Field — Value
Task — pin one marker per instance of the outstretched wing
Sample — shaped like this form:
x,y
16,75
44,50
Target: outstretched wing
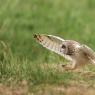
x,y
89,53
52,43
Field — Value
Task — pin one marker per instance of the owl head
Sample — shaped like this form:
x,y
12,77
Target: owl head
x,y
68,47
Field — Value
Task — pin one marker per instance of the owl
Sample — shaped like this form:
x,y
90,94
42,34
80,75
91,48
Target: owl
x,y
76,53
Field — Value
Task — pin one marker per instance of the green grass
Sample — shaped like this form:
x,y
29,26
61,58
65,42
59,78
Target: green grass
x,y
20,19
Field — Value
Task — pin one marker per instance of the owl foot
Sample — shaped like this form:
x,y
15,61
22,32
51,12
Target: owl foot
x,y
68,67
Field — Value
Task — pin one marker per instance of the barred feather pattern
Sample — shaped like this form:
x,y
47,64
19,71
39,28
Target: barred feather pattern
x,y
73,50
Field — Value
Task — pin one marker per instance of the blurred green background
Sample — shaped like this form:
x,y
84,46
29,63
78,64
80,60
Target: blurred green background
x,y
69,19
20,19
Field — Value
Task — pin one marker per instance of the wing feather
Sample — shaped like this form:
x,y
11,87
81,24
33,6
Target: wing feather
x,y
89,53
52,43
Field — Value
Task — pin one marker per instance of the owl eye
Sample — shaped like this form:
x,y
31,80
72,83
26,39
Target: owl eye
x,y
63,46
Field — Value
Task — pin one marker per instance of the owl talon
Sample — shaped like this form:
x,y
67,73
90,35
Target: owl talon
x,y
63,65
68,67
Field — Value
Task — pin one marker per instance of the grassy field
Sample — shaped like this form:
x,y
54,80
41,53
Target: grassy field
x,y
26,68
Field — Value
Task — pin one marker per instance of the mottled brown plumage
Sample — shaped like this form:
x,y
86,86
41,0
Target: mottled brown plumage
x,y
78,54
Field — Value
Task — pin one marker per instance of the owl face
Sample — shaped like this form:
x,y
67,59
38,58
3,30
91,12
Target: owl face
x,y
69,48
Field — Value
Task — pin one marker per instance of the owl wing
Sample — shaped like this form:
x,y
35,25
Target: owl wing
x,y
52,43
89,53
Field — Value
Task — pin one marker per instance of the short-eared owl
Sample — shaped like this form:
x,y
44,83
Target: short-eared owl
x,y
78,54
